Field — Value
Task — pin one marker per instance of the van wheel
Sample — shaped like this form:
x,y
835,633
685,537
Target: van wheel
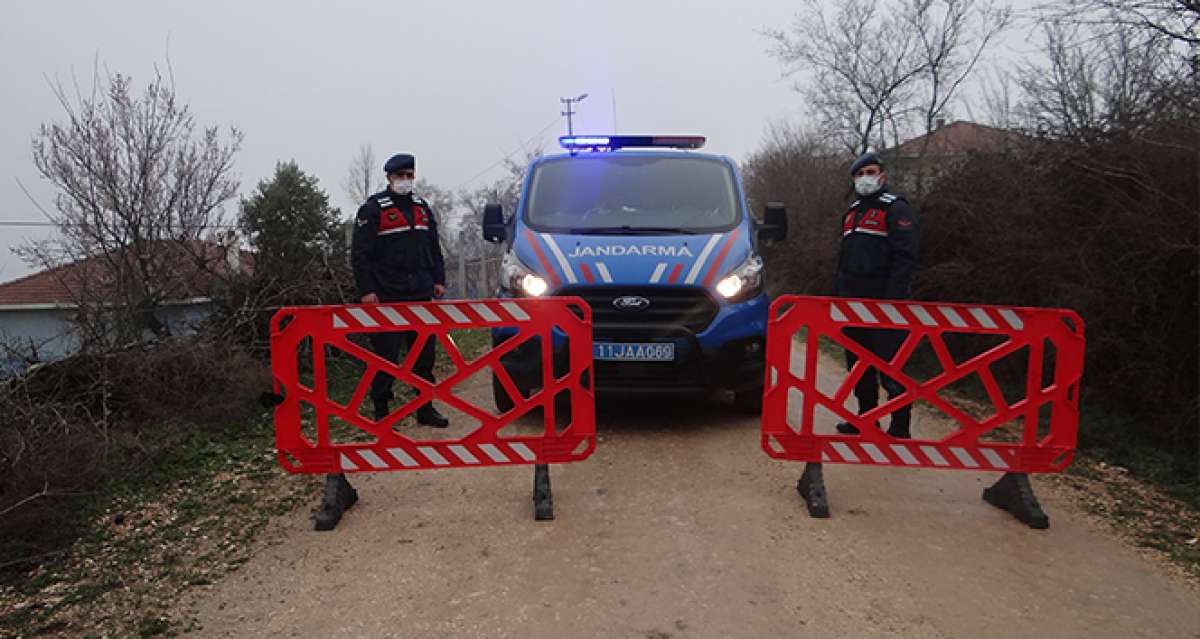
x,y
749,401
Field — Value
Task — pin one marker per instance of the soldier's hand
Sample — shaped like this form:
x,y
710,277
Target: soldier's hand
x,y
439,290
370,298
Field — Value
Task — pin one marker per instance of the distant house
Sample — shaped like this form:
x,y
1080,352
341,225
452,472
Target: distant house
x,y
944,147
36,310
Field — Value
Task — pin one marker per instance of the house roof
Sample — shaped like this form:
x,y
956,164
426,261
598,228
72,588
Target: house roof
x,y
59,286
958,138
44,287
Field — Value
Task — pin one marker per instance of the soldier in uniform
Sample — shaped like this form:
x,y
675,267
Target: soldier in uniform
x,y
396,257
877,257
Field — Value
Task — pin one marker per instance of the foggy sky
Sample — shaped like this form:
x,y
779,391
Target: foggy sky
x,y
460,85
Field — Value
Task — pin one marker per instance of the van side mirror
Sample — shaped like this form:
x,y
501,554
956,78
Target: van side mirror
x,y
773,227
494,229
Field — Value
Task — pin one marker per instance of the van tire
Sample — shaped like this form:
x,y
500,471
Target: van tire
x,y
749,401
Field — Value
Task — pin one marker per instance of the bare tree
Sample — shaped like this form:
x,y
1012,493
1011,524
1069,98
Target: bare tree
x,y
362,178
1176,20
140,196
860,67
952,35
999,97
442,201
1097,81
506,192
875,67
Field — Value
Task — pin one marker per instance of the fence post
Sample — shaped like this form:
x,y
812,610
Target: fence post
x,y
462,277
483,272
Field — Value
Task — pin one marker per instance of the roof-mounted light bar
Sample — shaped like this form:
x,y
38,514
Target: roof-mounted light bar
x,y
614,142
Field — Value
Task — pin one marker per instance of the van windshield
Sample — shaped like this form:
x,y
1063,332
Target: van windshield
x,y
614,194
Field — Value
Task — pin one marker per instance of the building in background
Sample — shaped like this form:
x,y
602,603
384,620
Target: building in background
x,y
948,145
36,311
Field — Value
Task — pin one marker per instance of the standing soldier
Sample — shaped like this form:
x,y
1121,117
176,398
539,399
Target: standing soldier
x,y
396,257
876,260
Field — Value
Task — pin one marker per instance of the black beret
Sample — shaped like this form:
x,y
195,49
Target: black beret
x,y
864,160
400,162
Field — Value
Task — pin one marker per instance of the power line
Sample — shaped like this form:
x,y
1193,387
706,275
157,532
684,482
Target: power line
x,y
41,223
514,152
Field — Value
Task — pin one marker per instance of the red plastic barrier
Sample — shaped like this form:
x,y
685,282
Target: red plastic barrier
x,y
330,327
792,379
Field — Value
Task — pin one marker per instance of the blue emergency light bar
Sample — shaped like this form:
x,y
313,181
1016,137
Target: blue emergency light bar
x,y
614,142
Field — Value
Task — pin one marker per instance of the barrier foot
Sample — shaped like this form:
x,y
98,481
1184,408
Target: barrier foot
x,y
339,496
543,499
1014,493
812,488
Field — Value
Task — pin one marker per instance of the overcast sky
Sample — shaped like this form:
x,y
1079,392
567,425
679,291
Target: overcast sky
x,y
460,85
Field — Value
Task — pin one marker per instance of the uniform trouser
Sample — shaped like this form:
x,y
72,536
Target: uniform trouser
x,y
884,343
388,346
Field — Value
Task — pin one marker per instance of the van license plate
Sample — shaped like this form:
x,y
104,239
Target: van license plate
x,y
633,352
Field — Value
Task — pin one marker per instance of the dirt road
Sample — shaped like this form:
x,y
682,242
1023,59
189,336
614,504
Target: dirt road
x,y
679,526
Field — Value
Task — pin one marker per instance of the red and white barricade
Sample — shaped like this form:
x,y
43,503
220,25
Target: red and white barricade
x,y
1048,343
303,333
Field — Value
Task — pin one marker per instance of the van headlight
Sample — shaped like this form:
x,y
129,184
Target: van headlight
x,y
519,280
744,281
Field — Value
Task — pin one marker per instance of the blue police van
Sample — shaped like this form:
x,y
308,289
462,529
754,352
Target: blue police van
x,y
658,240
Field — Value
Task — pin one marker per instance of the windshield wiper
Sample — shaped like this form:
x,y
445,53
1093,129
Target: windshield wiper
x,y
635,230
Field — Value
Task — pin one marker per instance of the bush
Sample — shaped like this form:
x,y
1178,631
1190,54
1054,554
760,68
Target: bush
x,y
1107,228
75,424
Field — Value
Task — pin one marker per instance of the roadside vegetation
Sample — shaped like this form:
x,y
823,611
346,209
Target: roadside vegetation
x,y
1082,197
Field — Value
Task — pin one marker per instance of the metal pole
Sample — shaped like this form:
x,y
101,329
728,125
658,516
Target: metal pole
x,y
614,106
569,112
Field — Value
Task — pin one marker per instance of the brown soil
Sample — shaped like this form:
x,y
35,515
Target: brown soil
x,y
680,526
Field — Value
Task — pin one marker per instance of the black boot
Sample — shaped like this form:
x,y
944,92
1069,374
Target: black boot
x,y
899,427
846,428
339,496
381,409
427,415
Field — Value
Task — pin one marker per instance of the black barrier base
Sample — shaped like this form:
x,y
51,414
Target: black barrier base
x,y
543,499
339,496
812,488
1014,493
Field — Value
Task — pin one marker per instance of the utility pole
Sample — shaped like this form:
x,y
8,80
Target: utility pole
x,y
614,106
569,102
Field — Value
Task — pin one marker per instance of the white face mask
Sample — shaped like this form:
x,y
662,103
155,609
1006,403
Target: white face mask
x,y
402,186
867,184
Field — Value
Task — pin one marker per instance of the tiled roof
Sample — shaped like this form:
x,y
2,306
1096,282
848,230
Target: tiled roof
x,y
43,287
54,286
958,138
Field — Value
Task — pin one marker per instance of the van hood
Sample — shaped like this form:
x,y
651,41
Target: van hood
x,y
695,260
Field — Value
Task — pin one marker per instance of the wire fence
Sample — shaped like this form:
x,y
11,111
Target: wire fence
x,y
472,278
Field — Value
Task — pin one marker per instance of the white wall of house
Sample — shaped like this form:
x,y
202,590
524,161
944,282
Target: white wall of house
x,y
45,330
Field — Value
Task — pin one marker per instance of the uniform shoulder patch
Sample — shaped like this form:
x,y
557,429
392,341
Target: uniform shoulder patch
x,y
887,198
